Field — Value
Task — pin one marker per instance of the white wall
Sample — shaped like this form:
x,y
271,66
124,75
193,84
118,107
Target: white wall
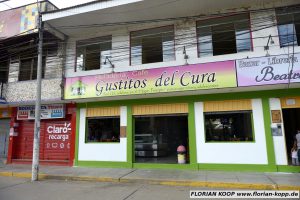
x,y
123,116
100,151
279,141
232,153
121,39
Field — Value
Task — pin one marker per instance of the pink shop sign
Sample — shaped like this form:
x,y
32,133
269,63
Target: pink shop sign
x,y
280,69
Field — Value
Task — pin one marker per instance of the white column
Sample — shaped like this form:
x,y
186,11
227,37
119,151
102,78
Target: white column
x,y
279,141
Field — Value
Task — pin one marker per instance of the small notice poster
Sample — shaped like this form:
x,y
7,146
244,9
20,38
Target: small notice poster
x,y
47,112
276,116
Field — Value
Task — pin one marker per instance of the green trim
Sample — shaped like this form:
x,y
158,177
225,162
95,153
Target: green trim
x,y
288,168
268,133
252,126
133,139
164,166
129,135
206,97
86,129
77,136
264,95
192,134
237,167
104,164
230,142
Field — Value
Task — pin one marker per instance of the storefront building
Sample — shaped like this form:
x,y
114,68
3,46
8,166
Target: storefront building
x,y
19,36
217,89
232,131
56,135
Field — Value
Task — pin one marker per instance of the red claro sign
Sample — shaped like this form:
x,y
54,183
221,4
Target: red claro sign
x,y
58,135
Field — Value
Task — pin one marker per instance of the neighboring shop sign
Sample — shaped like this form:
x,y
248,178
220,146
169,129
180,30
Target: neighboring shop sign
x,y
47,112
280,69
159,80
58,135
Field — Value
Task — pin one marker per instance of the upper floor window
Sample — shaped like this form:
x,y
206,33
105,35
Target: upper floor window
x,y
3,71
91,53
28,68
224,35
288,20
152,45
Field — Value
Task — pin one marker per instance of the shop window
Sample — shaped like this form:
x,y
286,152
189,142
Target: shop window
x,y
103,129
152,45
228,126
91,54
157,138
288,20
224,35
28,68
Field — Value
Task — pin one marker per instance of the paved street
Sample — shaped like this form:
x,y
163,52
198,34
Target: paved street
x,y
12,188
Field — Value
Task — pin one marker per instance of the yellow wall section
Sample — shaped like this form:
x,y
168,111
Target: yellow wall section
x,y
103,111
160,109
285,100
229,105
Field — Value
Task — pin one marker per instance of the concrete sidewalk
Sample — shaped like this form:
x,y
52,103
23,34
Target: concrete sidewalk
x,y
215,179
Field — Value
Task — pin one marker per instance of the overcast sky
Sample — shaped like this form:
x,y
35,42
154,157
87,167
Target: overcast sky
x,y
59,3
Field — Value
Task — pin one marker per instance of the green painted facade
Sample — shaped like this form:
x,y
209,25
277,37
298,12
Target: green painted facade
x,y
193,165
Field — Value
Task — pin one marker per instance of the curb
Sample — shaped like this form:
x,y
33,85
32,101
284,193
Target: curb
x,y
227,185
43,176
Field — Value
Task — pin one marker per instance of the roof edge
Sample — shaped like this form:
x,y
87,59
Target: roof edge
x,y
47,1
76,6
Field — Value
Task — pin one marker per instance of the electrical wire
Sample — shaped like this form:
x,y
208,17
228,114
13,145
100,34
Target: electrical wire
x,y
177,38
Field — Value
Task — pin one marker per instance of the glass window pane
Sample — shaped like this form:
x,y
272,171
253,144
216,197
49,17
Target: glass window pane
x,y
79,59
224,41
168,50
229,34
34,68
103,129
89,52
92,57
243,41
168,46
152,45
3,71
156,138
287,35
229,126
25,70
205,42
297,26
105,57
284,18
152,49
136,55
288,26
205,46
